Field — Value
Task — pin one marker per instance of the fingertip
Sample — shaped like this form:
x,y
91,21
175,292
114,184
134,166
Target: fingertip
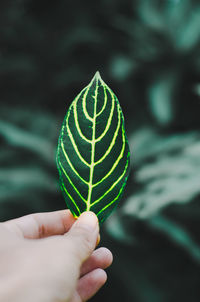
x,y
100,258
67,219
101,276
68,213
87,220
107,255
89,214
83,235
90,284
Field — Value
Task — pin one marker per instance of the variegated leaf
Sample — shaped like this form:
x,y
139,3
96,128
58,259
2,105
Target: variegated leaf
x,y
93,152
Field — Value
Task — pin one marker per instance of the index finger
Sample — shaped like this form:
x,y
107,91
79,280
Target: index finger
x,y
41,225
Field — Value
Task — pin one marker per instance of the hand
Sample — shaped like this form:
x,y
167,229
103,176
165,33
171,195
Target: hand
x,y
50,257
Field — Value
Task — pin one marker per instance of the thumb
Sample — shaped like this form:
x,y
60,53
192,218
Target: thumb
x,y
83,236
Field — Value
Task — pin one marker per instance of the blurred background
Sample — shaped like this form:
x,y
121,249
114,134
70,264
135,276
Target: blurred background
x,y
148,52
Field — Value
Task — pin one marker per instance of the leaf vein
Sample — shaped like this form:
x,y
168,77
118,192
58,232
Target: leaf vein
x,y
105,102
74,145
84,104
70,164
70,181
92,150
68,194
113,185
116,162
113,140
109,119
77,123
116,198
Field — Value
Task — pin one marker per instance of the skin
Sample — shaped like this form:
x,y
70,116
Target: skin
x,y
51,257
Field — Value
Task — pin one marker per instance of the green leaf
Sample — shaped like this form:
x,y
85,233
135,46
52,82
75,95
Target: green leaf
x,y
93,152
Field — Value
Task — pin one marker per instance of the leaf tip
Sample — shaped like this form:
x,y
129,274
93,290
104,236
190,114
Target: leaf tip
x,y
97,76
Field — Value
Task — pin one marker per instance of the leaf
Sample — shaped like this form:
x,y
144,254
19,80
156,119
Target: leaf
x,y
93,152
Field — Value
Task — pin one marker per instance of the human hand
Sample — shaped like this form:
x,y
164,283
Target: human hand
x,y
50,257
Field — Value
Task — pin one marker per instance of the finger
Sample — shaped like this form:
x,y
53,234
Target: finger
x,y
89,285
41,225
82,237
100,258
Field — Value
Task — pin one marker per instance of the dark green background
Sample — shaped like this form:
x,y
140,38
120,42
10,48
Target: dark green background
x,y
148,52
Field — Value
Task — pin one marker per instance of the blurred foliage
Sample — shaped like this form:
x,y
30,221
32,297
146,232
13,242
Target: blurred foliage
x,y
148,52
